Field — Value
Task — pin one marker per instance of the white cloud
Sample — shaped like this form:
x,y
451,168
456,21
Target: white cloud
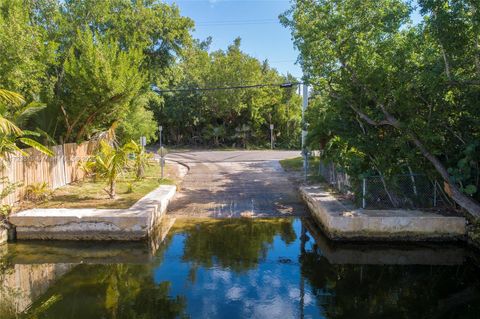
x,y
235,293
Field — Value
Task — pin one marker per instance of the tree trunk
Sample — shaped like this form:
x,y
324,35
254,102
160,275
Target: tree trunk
x,y
112,191
467,203
140,171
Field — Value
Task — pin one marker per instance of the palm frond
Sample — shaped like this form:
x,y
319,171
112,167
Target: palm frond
x,y
108,135
24,112
8,127
10,97
48,138
36,145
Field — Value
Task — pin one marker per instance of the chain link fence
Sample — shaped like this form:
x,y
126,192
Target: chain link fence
x,y
409,191
336,177
399,191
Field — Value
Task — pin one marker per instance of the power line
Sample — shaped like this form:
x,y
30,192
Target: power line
x,y
236,22
237,87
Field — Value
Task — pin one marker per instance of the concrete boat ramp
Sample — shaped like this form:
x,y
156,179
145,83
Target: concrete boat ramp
x,y
237,184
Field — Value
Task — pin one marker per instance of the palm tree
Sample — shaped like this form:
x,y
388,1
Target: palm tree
x,y
110,162
142,158
13,112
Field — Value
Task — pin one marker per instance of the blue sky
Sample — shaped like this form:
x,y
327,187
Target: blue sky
x,y
255,21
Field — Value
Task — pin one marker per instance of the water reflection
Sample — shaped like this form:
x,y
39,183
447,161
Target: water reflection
x,y
238,245
275,268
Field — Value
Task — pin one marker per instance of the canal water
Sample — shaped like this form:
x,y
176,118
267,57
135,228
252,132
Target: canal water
x,y
238,268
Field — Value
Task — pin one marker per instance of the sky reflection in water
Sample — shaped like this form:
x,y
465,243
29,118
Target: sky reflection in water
x,y
278,268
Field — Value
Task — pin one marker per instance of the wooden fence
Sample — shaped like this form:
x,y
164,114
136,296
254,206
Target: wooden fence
x,y
58,170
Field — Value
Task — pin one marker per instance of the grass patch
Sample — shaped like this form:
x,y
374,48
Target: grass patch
x,y
88,193
296,165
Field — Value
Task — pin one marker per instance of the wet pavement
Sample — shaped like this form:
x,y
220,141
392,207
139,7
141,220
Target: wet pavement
x,y
225,184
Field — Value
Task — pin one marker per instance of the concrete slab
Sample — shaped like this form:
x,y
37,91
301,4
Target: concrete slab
x,y
341,222
229,188
386,253
134,223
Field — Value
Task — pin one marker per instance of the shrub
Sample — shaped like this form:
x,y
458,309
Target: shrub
x,y
38,192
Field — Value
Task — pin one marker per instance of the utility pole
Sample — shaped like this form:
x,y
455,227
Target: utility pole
x,y
304,130
304,108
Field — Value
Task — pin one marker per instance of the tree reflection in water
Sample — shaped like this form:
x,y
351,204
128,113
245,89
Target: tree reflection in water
x,y
110,291
235,244
258,268
391,291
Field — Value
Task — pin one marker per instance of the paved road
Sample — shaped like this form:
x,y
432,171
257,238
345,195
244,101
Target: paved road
x,y
234,184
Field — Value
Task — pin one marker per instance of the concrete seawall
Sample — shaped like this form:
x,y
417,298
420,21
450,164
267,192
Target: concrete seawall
x,y
340,222
135,223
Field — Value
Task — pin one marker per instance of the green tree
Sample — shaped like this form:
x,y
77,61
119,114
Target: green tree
x,y
213,116
100,82
109,163
25,52
75,56
404,90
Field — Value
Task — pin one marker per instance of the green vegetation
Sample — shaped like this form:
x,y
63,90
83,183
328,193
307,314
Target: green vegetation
x,y
392,97
236,244
94,63
238,118
89,193
296,165
38,192
14,111
91,62
109,163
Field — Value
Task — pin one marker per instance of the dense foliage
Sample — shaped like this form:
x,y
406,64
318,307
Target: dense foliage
x,y
94,63
230,117
393,96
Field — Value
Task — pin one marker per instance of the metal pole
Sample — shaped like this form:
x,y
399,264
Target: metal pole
x,y
162,161
304,108
364,192
160,129
271,136
304,129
